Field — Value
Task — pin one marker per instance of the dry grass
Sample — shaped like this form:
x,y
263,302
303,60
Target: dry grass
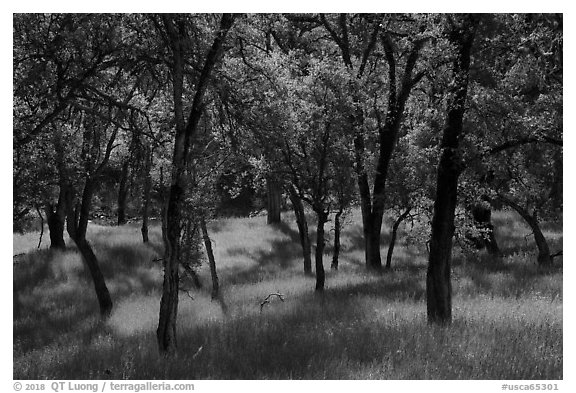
x,y
507,314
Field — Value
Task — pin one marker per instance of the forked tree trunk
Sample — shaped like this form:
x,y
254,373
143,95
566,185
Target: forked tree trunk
x,y
394,234
123,194
274,193
211,259
320,243
373,206
337,230
438,285
146,194
302,229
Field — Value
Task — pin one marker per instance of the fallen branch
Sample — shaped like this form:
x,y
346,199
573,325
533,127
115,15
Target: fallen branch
x,y
267,299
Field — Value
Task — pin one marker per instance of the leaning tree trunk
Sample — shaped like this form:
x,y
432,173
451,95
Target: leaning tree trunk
x,y
123,194
395,227
211,259
146,194
320,242
544,258
337,230
77,223
185,133
438,285
274,192
302,229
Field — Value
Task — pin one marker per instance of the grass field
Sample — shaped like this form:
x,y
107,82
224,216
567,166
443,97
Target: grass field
x,y
507,314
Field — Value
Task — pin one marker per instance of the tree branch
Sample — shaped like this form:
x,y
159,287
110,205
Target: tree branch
x,y
267,299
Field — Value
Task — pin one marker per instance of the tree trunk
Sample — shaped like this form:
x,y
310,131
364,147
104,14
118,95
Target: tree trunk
x,y
102,293
56,219
302,229
337,230
373,208
56,227
483,221
393,236
123,194
166,332
146,194
438,285
274,192
185,133
320,242
77,223
211,259
544,258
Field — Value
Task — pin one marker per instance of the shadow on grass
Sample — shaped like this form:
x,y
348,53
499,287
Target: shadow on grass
x,y
283,341
54,294
275,259
349,332
350,327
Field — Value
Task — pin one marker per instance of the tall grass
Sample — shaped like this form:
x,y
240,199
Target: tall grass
x,y
507,314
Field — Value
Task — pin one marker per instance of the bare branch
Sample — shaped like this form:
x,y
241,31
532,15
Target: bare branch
x,y
267,299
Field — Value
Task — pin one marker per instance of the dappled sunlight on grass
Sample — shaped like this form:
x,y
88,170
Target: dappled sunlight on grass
x,y
135,315
507,312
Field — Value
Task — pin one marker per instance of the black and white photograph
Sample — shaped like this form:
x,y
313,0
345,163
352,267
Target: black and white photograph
x,y
287,196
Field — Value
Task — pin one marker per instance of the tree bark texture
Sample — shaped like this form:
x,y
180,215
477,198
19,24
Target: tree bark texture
x,y
302,224
274,193
185,133
438,285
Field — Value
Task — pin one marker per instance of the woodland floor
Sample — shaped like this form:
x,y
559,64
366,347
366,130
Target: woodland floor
x,y
507,314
